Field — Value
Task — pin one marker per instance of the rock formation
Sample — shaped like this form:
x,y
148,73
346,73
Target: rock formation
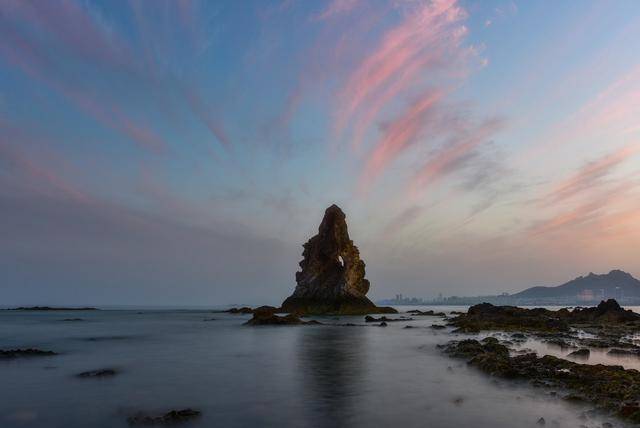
x,y
486,316
332,279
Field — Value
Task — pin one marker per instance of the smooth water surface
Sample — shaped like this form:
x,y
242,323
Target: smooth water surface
x,y
286,376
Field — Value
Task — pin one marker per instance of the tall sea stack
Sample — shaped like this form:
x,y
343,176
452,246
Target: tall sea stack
x,y
332,279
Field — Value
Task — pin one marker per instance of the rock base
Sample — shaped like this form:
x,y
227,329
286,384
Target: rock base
x,y
343,306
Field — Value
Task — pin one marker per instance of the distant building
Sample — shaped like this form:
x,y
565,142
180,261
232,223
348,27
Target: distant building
x,y
586,295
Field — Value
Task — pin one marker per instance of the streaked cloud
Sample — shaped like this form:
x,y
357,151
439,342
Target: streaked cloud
x,y
336,7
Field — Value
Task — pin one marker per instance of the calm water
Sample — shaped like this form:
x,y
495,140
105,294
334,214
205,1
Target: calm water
x,y
306,376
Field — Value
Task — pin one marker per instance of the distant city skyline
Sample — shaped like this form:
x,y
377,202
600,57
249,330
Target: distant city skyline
x,y
180,152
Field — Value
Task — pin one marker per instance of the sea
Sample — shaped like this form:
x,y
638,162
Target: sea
x,y
269,376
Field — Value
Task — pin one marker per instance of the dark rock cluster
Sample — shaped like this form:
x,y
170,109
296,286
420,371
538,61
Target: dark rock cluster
x,y
266,318
332,276
24,353
100,373
170,418
486,316
50,308
428,313
369,318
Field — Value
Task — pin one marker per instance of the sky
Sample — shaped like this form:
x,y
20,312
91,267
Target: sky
x,y
180,152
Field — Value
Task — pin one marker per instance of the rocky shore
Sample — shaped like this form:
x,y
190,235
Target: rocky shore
x,y
608,388
612,389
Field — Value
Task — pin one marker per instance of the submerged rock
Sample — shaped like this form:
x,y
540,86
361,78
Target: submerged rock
x,y
580,353
169,418
332,276
429,313
268,318
624,352
369,318
24,353
560,342
101,373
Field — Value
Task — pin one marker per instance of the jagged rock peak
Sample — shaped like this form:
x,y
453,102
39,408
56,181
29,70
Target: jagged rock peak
x,y
331,264
332,275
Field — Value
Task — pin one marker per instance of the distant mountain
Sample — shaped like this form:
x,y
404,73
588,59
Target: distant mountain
x,y
615,284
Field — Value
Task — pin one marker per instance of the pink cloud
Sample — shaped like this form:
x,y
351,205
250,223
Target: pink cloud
x,y
204,114
463,143
429,38
30,170
73,26
589,175
36,62
336,7
398,135
611,113
424,53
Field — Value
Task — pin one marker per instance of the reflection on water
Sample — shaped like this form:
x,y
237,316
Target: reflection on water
x,y
332,362
292,376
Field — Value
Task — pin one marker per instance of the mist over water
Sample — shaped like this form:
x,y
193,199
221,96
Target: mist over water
x,y
312,376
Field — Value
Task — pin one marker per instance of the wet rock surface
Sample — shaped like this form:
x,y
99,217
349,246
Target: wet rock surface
x,y
170,418
24,353
608,388
332,276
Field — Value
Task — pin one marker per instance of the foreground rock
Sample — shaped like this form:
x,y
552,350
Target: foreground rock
x,y
171,418
93,374
609,388
269,318
332,279
486,316
25,353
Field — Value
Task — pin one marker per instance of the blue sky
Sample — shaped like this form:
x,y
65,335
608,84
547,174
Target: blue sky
x,y
180,152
